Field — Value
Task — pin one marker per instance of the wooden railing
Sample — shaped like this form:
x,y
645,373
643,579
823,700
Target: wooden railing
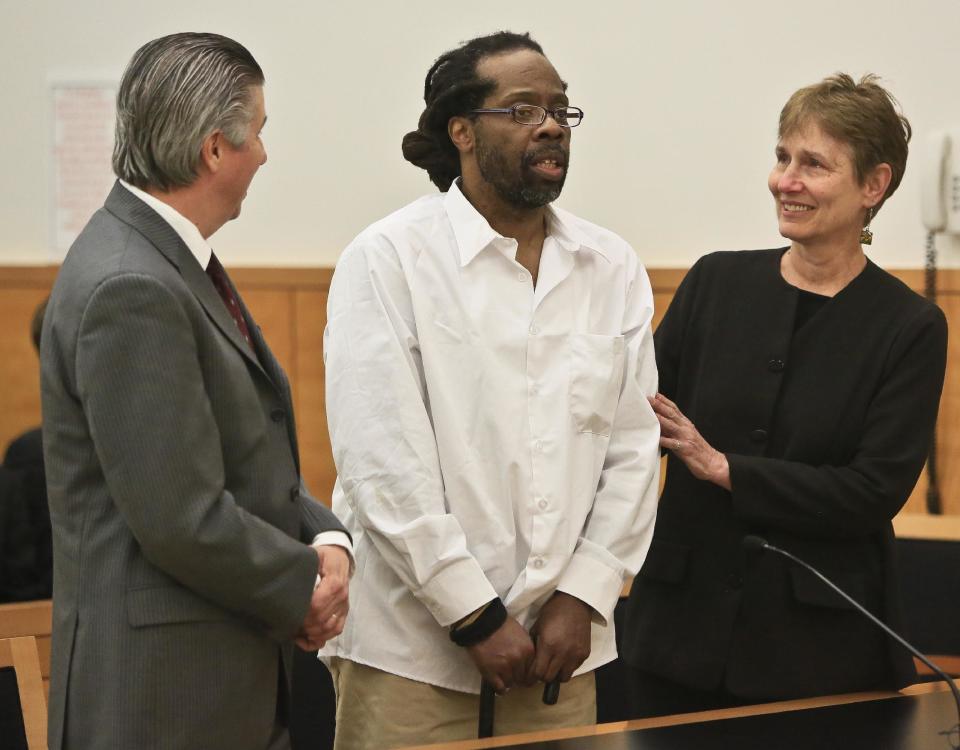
x,y
290,306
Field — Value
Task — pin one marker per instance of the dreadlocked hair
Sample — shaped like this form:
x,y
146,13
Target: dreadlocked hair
x,y
453,88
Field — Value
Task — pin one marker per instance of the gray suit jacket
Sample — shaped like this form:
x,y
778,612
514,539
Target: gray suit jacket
x,y
175,497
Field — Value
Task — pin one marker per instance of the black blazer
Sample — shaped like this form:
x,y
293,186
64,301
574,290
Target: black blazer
x,y
826,431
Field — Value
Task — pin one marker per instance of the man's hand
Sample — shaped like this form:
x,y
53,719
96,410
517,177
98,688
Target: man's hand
x,y
562,635
330,600
504,658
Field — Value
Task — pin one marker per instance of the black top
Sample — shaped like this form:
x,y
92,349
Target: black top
x,y
26,556
808,305
826,431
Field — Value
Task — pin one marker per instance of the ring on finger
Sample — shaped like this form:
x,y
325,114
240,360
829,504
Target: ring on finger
x,y
677,445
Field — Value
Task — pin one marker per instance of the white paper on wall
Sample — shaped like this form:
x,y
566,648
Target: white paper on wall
x,y
82,146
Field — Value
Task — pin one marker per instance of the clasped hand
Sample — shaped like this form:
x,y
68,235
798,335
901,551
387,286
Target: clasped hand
x,y
558,643
330,600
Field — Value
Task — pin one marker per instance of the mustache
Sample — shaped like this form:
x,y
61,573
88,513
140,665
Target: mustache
x,y
555,152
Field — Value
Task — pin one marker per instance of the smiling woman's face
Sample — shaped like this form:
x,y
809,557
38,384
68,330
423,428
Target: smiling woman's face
x,y
815,189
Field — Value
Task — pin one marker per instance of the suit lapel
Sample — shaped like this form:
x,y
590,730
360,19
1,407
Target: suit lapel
x,y
261,356
133,211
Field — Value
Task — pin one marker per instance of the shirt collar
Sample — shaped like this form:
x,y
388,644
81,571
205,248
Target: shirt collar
x,y
474,234
185,229
568,235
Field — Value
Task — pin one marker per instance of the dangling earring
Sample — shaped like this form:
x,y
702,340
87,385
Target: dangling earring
x,y
866,236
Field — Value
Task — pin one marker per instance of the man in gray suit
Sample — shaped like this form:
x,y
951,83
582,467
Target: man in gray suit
x,y
182,530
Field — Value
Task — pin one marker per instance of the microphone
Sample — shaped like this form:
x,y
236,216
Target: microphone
x,y
759,544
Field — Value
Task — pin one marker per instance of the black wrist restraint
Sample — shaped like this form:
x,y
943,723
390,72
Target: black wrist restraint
x,y
483,627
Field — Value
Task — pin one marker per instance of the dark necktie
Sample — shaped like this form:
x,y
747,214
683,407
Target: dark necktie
x,y
219,278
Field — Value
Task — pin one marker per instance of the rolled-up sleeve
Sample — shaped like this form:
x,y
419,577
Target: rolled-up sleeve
x,y
619,528
383,441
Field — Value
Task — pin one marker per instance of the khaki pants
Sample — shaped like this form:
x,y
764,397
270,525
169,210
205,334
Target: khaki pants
x,y
377,710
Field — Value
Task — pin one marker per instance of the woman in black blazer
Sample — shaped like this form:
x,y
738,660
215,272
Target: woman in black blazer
x,y
799,391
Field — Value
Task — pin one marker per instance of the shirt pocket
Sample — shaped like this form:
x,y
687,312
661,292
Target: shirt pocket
x,y
596,373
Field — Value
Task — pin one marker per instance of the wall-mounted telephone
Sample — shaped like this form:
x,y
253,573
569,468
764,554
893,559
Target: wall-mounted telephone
x,y
940,182
940,208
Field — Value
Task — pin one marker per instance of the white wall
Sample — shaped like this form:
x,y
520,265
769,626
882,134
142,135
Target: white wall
x,y
681,99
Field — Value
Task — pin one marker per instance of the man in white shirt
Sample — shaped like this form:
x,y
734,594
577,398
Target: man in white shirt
x,y
183,569
489,360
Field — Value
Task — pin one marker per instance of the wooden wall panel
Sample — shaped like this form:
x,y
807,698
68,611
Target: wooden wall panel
x,y
20,392
660,302
918,498
290,305
948,422
318,469
273,311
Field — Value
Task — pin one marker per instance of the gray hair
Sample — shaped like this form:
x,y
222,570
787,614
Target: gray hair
x,y
176,91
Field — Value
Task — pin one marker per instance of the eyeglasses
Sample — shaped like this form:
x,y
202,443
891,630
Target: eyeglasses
x,y
532,114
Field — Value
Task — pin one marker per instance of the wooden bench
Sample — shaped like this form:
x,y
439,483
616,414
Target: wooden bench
x,y
21,654
35,619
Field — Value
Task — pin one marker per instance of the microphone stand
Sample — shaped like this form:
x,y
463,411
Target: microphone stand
x,y
760,544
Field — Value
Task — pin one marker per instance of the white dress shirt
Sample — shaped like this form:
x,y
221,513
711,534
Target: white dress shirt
x,y
187,231
491,438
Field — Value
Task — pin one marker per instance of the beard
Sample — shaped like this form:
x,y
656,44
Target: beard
x,y
520,188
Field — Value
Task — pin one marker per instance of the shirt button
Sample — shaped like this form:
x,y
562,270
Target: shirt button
x,y
277,414
538,562
538,445
775,365
521,275
533,390
534,330
542,505
758,436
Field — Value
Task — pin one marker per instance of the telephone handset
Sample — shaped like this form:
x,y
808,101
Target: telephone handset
x,y
940,182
